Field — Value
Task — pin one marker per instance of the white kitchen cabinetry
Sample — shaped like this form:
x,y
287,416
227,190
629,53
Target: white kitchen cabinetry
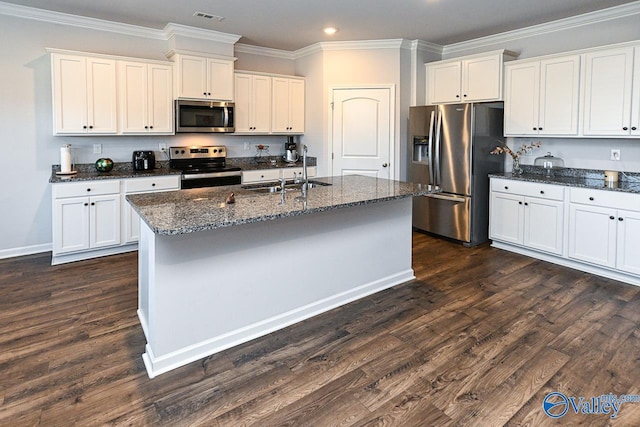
x,y
85,216
527,214
542,96
609,81
468,79
130,219
252,103
288,110
84,95
266,175
145,97
604,229
203,77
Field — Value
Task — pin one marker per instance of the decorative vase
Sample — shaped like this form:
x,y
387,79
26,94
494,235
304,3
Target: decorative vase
x,y
104,165
516,170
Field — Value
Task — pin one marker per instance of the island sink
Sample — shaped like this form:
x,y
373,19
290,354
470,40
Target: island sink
x,y
275,188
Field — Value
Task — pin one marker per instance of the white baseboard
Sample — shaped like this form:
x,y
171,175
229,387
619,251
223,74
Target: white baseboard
x,y
25,250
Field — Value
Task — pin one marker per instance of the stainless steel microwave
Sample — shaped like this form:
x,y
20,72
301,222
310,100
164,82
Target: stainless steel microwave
x,y
204,116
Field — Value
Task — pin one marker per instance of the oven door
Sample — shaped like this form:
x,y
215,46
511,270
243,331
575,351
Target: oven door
x,y
204,116
213,179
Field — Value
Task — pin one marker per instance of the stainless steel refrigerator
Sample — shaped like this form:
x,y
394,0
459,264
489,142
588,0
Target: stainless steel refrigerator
x,y
450,149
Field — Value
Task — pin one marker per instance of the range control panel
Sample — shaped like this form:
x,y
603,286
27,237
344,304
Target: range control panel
x,y
210,152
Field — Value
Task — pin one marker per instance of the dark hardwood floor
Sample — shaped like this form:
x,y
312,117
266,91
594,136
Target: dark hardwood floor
x,y
479,339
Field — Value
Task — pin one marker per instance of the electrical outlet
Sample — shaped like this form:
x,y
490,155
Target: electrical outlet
x,y
97,148
615,154
162,147
247,146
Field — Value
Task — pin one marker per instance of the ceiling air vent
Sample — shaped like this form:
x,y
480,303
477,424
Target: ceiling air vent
x,y
208,16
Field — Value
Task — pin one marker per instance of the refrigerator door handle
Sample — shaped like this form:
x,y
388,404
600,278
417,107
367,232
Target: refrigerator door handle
x,y
451,198
438,177
432,176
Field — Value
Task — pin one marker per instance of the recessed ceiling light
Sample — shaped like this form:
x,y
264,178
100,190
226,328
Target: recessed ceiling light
x,y
330,30
208,16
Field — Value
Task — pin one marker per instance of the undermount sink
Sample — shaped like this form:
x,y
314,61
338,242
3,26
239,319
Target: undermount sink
x,y
271,187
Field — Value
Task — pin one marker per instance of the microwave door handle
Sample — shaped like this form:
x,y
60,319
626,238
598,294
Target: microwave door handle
x,y
437,150
430,150
226,117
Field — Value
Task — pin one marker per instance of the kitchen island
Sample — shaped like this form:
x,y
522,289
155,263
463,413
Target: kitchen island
x,y
213,274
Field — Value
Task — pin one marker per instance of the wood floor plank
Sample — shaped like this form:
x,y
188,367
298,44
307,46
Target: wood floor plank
x,y
478,339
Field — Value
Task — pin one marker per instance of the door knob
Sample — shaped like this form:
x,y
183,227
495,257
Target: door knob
x,y
384,165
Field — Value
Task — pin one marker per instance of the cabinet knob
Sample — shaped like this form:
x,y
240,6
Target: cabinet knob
x,y
90,126
150,127
146,127
84,127
541,192
634,128
153,184
506,187
209,93
526,204
591,198
93,203
611,217
88,189
204,93
457,96
86,204
539,128
519,203
384,165
465,95
625,128
620,218
535,128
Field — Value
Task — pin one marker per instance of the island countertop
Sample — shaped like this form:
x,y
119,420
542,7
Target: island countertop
x,y
188,211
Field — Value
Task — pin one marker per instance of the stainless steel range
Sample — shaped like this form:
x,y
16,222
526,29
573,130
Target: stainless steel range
x,y
204,166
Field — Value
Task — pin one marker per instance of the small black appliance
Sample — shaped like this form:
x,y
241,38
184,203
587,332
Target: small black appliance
x,y
144,160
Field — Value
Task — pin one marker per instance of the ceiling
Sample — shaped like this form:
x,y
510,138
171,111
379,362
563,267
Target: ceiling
x,y
293,24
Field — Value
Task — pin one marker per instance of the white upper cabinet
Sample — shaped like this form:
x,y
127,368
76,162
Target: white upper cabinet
x,y
145,97
84,95
542,97
202,77
468,79
253,103
288,111
608,92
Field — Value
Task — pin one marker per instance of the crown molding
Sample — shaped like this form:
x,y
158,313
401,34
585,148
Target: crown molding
x,y
172,30
424,46
349,45
264,51
79,21
616,12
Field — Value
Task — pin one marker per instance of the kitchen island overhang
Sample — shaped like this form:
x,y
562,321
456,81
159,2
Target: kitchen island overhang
x,y
235,272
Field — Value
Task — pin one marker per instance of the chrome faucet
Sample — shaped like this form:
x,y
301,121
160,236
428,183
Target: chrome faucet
x,y
305,177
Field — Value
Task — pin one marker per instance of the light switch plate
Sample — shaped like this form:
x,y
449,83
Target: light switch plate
x,y
97,148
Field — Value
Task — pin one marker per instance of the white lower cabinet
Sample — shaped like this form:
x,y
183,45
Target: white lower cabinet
x,y
519,218
92,218
82,222
600,227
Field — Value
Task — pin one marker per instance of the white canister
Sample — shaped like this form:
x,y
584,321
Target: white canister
x,y
65,158
611,176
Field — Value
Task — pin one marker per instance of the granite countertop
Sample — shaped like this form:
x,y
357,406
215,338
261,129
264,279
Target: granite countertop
x,y
188,211
88,172
583,178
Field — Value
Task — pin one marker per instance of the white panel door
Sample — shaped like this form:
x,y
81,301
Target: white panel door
x,y
592,234
482,78
104,219
522,98
70,94
243,100
261,100
220,79
543,221
362,132
507,218
444,82
296,105
70,224
607,103
160,98
192,77
628,256
559,96
635,100
101,90
132,82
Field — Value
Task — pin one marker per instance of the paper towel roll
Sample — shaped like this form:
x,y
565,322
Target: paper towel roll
x,y
65,158
611,176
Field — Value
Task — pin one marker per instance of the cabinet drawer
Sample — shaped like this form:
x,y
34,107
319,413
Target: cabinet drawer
x,y
290,173
157,183
86,188
531,189
261,175
604,198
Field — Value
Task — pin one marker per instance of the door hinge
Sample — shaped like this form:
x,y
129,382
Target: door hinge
x,y
332,156
332,105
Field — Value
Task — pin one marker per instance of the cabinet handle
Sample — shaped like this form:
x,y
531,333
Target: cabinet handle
x,y
93,203
620,219
150,127
526,204
634,128
84,127
541,192
611,217
625,128
465,95
209,93
506,188
519,203
591,198
90,126
539,128
535,128
204,93
88,189
153,184
146,127
457,96
86,204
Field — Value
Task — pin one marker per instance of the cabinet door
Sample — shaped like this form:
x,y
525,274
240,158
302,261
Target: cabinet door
x,y
507,218
559,96
69,93
444,82
70,224
101,91
192,77
243,103
296,106
104,220
132,83
130,222
543,224
220,79
592,234
607,103
522,98
635,99
261,101
280,105
628,255
482,78
160,98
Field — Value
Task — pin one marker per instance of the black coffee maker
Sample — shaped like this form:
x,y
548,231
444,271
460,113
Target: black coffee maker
x,y
144,160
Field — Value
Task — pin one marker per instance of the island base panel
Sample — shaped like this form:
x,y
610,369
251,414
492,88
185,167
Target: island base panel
x,y
204,292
